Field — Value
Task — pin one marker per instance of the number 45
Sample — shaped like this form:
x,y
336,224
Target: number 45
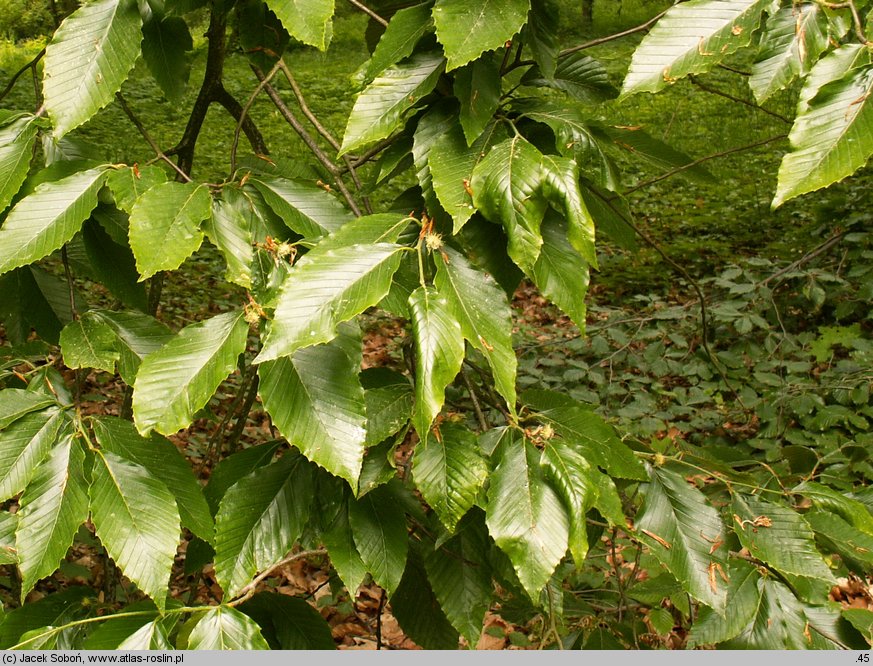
x,y
863,658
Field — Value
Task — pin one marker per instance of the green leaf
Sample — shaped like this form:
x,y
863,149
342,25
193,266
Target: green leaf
x,y
340,544
580,76
778,622
449,470
692,38
792,42
289,623
324,289
259,520
137,336
43,221
525,516
506,189
686,535
16,150
862,620
439,354
467,28
316,401
561,188
89,343
572,475
560,273
452,164
837,535
304,208
225,628
477,87
417,611
15,403
53,610
112,632
831,139
380,109
389,403
150,636
166,43
306,20
743,597
540,35
129,183
852,511
24,445
113,265
52,507
165,225
162,460
262,36
228,229
136,519
88,59
434,123
379,528
406,27
480,306
176,381
779,536
233,468
461,578
831,67
633,142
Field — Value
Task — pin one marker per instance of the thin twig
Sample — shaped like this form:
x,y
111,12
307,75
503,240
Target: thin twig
x,y
707,158
244,114
739,100
149,140
618,35
369,12
809,256
249,590
21,71
379,620
856,18
480,417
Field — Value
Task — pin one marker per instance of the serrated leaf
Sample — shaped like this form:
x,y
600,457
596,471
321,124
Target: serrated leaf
x,y
525,516
52,610
150,636
52,507
572,477
316,401
225,628
89,343
43,221
580,76
228,229
88,59
485,244
560,273
16,150
24,445
176,381
477,87
325,289
793,39
853,545
452,164
129,183
460,576
15,403
417,611
289,623
779,536
851,510
686,535
540,35
233,468
778,622
378,526
480,306
344,556
113,265
136,519
303,207
137,336
439,348
862,620
163,461
561,188
434,123
259,520
692,38
389,404
467,28
743,597
506,189
831,67
112,632
306,20
406,27
165,225
449,470
166,43
380,109
262,36
831,139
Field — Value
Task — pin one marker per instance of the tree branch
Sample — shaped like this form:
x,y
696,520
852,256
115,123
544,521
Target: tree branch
x,y
148,139
249,590
618,35
739,100
244,114
369,12
21,71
